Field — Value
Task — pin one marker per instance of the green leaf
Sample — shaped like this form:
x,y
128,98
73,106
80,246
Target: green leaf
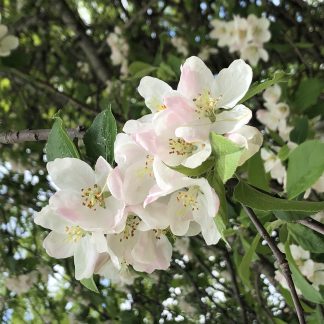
x,y
100,137
306,238
59,144
90,284
244,268
279,76
257,176
140,69
291,216
300,132
284,153
253,198
227,156
308,291
305,166
308,92
196,172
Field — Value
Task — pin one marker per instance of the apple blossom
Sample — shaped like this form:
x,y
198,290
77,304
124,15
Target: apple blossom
x,y
273,164
192,203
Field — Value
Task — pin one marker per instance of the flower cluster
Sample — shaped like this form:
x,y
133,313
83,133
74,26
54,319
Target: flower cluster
x,y
313,271
119,50
7,42
275,118
113,220
243,35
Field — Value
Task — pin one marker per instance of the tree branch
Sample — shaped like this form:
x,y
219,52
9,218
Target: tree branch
x,y
312,224
282,262
88,47
36,135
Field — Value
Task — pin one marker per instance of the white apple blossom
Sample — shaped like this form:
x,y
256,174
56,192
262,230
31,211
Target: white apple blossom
x,y
180,44
273,164
192,203
119,49
244,35
7,42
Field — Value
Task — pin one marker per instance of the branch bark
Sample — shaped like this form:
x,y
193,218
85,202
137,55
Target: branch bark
x,y
36,135
87,45
282,262
312,224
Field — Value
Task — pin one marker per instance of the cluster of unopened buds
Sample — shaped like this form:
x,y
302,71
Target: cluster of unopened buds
x,y
115,220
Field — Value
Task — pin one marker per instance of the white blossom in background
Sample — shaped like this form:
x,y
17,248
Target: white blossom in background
x,y
7,42
206,52
273,165
22,283
313,271
119,50
180,44
243,35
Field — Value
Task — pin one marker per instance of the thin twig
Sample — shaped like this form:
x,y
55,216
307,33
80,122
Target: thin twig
x,y
282,262
312,224
72,20
29,135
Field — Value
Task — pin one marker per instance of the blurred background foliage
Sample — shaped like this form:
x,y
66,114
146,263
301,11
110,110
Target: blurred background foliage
x,y
63,65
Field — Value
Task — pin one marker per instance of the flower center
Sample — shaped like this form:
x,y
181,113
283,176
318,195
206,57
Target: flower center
x,y
159,232
180,147
94,196
131,224
161,107
74,233
206,105
188,198
148,167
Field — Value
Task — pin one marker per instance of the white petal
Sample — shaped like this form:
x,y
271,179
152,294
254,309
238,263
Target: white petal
x,y
85,258
3,30
102,170
51,220
231,120
153,91
10,42
232,83
70,173
58,245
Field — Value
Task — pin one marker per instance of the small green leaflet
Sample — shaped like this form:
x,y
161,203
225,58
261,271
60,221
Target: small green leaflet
x,y
279,76
100,137
59,144
305,166
254,198
227,155
90,284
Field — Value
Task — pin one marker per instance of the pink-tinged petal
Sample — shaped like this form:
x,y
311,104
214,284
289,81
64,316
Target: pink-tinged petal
x,y
148,140
115,184
195,78
232,83
58,245
151,253
135,126
182,106
102,170
85,258
153,91
154,215
49,219
138,180
70,173
231,120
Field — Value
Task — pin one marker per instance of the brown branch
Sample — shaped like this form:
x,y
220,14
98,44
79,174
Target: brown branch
x,y
312,224
72,20
35,135
282,262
